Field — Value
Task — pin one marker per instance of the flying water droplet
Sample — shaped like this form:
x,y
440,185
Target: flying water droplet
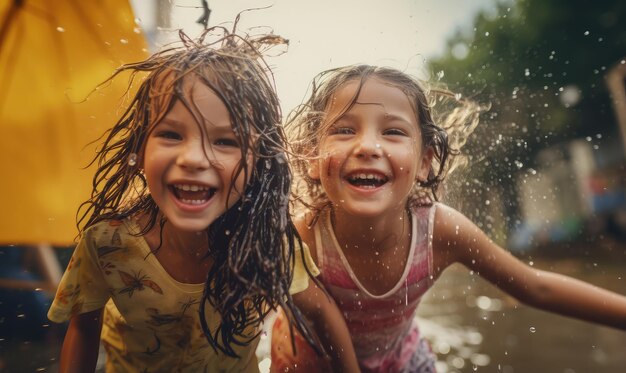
x,y
132,159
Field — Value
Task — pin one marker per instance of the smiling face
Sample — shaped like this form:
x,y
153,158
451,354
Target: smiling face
x,y
189,165
371,155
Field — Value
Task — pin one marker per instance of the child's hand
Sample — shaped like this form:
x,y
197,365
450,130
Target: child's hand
x,y
330,326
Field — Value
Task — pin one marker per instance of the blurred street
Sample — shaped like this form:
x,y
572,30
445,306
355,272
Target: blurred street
x,y
471,325
474,327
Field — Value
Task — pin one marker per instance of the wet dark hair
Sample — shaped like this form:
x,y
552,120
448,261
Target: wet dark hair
x,y
253,243
444,134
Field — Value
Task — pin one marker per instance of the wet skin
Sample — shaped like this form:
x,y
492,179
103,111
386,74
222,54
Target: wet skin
x,y
372,154
189,165
369,161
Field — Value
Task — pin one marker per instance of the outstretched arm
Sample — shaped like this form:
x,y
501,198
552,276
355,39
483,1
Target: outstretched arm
x,y
456,239
80,347
330,326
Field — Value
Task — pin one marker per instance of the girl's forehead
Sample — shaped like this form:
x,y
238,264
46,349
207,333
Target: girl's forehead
x,y
193,101
208,108
203,99
373,91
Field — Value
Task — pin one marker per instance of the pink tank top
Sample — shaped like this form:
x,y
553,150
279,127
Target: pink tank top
x,y
383,327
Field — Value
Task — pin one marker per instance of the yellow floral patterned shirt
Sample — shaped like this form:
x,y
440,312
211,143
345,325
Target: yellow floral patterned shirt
x,y
151,321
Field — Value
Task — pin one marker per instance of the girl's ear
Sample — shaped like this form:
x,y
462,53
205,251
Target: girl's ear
x,y
314,169
425,164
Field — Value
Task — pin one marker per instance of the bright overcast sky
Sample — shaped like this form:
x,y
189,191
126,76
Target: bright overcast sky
x,y
331,33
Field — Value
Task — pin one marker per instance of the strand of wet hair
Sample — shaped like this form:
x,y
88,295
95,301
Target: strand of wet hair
x,y
258,291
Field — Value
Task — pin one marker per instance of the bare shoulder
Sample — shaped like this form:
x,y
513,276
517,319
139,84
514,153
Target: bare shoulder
x,y
304,226
454,237
449,223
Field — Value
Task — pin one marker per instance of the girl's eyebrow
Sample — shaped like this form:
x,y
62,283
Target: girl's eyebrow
x,y
170,121
177,123
346,115
222,130
219,125
389,117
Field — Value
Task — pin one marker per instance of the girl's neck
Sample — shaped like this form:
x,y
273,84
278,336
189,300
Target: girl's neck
x,y
191,244
181,254
168,238
375,233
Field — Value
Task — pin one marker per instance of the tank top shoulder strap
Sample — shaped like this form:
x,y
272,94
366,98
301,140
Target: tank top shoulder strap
x,y
323,247
319,250
424,218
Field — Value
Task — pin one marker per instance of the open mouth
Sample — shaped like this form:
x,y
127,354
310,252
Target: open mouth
x,y
367,180
192,194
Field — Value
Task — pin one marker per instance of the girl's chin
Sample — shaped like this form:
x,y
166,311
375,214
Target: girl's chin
x,y
190,226
361,213
191,229
367,210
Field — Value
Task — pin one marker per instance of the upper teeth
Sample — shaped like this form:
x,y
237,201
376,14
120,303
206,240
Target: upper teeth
x,y
192,188
367,176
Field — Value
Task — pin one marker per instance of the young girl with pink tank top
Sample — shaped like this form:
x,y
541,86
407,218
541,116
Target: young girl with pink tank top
x,y
373,160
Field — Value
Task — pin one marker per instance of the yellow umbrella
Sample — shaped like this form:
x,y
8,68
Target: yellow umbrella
x,y
52,56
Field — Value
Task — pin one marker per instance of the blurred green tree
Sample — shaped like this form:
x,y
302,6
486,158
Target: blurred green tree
x,y
541,65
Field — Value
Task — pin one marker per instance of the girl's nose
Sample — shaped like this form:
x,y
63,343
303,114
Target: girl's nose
x,y
368,146
194,156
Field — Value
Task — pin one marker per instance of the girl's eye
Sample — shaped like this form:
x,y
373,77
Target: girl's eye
x,y
341,131
395,132
171,135
227,142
